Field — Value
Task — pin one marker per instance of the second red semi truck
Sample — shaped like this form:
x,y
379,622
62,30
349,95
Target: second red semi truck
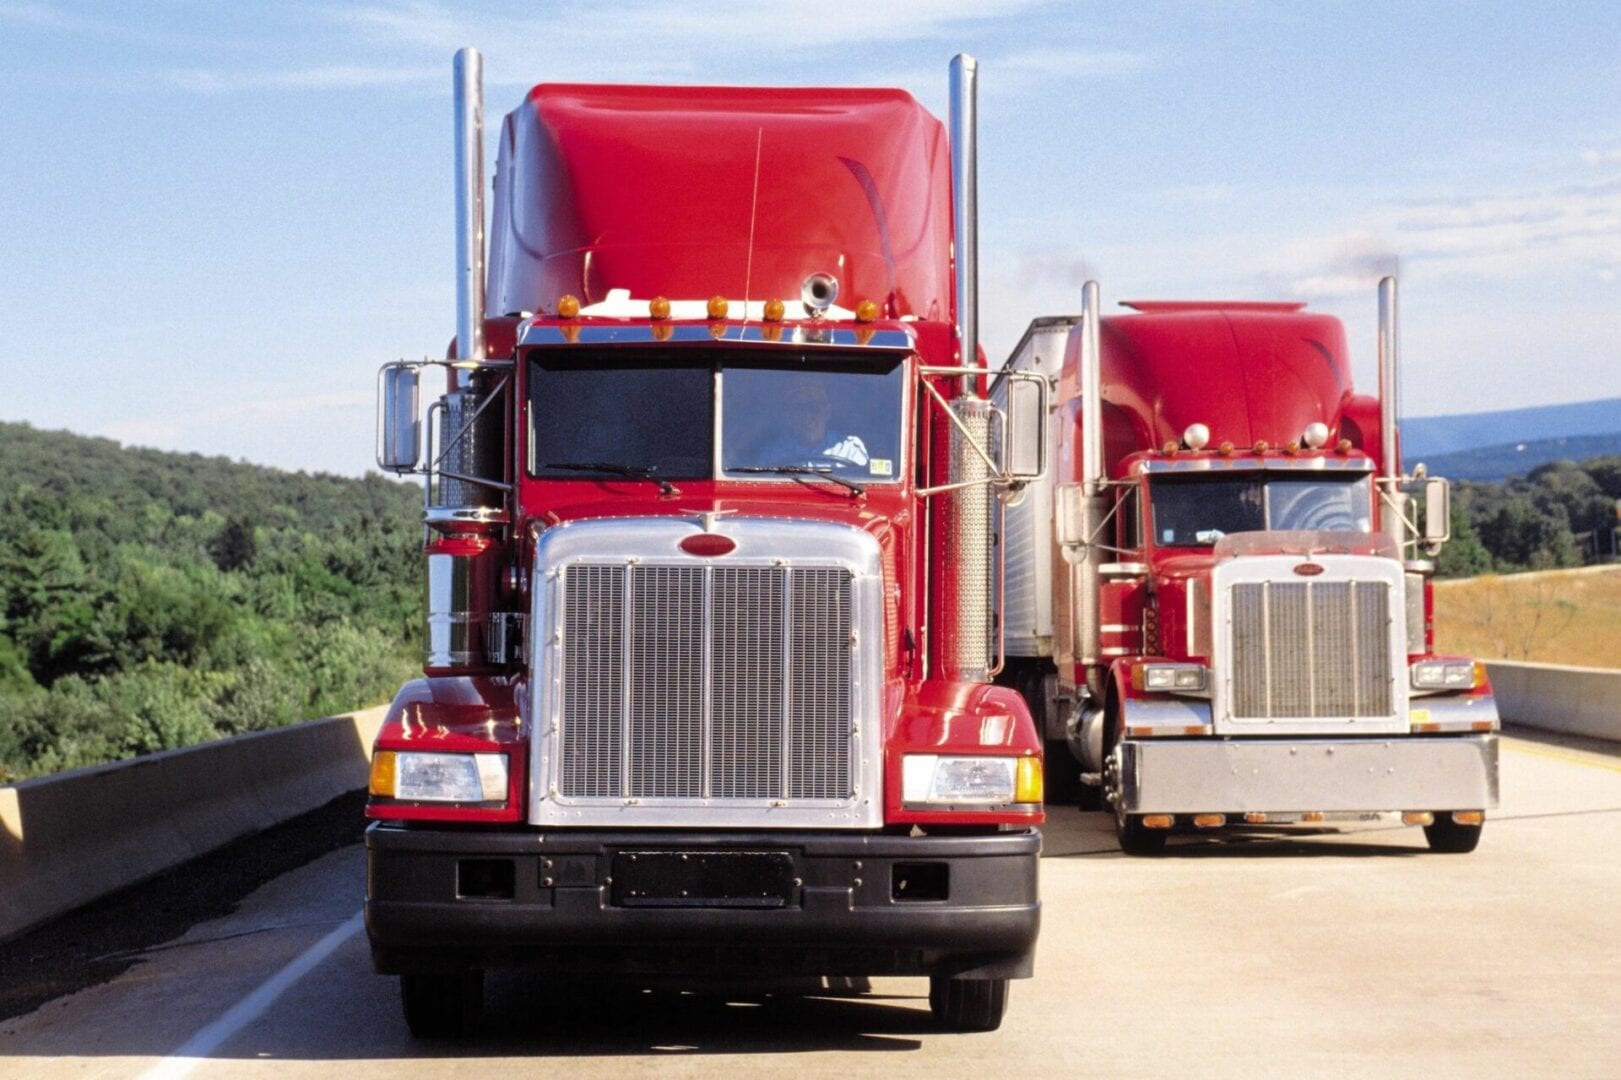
x,y
1219,601
712,624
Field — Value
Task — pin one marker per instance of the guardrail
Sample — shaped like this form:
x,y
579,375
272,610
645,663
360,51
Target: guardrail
x,y
68,839
1570,700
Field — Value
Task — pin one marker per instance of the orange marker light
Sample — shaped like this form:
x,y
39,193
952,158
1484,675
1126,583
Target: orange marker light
x,y
1169,449
1417,817
1158,821
866,311
1469,817
659,307
774,310
1312,816
1292,448
568,306
1343,446
1225,449
1260,446
382,774
1252,818
1209,821
717,307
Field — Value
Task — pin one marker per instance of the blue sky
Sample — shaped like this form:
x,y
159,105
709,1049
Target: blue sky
x,y
217,220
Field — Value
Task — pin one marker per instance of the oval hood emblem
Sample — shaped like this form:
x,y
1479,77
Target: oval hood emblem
x,y
1308,569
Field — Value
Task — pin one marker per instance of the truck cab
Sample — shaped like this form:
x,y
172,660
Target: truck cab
x,y
1237,614
710,644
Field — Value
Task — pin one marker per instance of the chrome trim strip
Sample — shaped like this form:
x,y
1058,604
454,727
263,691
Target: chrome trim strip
x,y
1221,464
776,335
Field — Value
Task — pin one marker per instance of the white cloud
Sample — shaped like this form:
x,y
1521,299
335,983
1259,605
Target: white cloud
x,y
1071,64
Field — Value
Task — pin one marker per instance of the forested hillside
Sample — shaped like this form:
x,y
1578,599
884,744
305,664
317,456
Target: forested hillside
x,y
1558,514
150,600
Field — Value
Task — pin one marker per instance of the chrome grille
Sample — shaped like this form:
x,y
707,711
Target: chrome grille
x,y
703,682
1311,649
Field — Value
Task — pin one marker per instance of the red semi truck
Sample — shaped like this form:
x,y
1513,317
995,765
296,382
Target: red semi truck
x,y
711,498
1219,602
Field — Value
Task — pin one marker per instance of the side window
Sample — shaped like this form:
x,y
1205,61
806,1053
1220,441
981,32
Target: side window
x,y
1129,518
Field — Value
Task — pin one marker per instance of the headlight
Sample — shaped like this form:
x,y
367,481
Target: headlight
x,y
1168,678
419,777
990,781
1446,675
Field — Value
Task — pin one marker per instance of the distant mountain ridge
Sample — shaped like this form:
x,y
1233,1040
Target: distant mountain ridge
x,y
1429,436
1494,464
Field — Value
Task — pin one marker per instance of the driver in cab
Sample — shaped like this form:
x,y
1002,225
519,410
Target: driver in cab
x,y
806,437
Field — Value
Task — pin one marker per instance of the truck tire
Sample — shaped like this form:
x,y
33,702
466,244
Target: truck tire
x,y
1134,838
1450,838
1061,775
967,1004
1129,832
442,1005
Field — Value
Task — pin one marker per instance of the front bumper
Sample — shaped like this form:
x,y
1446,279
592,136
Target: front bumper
x,y
846,912
1285,775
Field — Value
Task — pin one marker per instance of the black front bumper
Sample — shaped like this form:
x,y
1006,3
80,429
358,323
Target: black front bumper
x,y
838,903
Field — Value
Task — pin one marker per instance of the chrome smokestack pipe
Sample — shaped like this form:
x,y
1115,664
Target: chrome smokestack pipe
x,y
1389,390
1394,503
469,90
1094,507
1091,392
965,202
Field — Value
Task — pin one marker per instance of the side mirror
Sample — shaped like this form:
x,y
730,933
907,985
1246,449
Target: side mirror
x,y
399,427
1025,432
1437,512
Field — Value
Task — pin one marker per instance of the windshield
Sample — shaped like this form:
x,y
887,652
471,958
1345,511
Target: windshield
x,y
1196,512
654,415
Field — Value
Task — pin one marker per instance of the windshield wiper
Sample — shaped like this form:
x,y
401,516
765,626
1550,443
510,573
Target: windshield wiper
x,y
824,471
635,472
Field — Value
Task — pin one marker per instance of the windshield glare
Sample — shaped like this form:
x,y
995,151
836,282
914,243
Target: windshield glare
x,y
658,413
1197,512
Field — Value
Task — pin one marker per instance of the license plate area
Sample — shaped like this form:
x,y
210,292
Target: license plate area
x,y
732,879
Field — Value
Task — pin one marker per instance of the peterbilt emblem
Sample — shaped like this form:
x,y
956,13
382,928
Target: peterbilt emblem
x,y
1308,569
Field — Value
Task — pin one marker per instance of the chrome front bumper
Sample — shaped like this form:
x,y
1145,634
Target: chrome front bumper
x,y
1283,775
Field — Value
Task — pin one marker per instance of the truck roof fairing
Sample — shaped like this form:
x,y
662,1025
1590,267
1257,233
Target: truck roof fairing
x,y
742,192
1249,373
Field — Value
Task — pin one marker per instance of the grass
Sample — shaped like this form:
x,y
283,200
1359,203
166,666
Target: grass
x,y
1550,617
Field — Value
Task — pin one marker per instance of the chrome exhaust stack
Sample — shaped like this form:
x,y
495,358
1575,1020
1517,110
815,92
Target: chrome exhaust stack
x,y
965,202
1094,505
1390,471
469,105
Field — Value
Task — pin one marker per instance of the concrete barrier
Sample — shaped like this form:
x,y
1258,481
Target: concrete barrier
x,y
68,839
1553,697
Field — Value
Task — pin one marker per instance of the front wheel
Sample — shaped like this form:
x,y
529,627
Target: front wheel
x,y
1130,833
1135,838
442,1005
967,1004
1450,838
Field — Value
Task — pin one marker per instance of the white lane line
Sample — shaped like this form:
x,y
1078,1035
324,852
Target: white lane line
x,y
244,1012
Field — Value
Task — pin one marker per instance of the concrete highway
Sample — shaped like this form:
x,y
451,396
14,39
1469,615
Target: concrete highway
x,y
1339,954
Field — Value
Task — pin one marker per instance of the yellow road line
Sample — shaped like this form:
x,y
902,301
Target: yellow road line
x,y
1525,748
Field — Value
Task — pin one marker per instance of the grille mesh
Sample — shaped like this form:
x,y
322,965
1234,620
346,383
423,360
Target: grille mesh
x,y
1311,650
706,682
